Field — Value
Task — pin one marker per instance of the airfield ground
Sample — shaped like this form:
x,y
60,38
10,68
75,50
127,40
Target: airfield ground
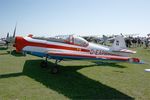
x,y
21,78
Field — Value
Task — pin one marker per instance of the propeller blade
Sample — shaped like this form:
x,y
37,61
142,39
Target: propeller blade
x,y
7,38
14,31
7,35
11,40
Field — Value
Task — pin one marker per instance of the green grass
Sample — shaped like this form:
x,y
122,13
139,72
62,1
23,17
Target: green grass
x,y
21,78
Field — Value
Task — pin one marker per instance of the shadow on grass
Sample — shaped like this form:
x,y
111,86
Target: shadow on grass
x,y
16,54
3,53
3,48
70,82
108,64
11,75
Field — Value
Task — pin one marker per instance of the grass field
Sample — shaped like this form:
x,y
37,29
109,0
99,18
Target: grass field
x,y
21,78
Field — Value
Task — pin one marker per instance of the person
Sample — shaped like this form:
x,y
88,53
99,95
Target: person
x,y
139,42
128,42
146,42
134,41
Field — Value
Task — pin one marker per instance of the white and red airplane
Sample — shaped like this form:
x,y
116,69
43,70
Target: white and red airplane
x,y
72,47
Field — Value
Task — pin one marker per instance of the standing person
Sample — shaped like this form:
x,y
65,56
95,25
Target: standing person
x,y
134,41
146,42
139,42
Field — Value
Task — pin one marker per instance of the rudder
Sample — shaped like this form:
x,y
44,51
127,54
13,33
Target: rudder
x,y
118,44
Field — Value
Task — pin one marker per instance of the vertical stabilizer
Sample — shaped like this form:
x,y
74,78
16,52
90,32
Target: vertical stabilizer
x,y
119,43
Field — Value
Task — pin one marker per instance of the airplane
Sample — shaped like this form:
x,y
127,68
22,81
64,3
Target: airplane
x,y
5,41
106,39
8,40
72,47
100,40
2,42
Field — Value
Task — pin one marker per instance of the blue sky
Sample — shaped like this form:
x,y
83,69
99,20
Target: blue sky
x,y
81,17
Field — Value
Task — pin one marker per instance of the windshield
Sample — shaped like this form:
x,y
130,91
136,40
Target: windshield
x,y
63,37
72,39
80,41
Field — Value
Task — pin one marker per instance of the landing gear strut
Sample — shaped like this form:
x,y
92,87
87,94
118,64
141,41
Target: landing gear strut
x,y
54,69
44,64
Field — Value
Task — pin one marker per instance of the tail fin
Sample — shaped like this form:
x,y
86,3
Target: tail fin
x,y
119,43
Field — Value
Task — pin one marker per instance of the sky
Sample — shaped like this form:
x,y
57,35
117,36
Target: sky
x,y
80,17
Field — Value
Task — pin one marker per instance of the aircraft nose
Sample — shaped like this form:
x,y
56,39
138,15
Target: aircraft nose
x,y
18,43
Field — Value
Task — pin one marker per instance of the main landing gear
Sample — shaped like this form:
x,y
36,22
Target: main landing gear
x,y
44,64
54,69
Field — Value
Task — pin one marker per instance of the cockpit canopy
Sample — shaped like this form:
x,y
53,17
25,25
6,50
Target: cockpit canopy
x,y
73,39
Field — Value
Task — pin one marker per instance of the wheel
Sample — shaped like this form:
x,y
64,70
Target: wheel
x,y
43,64
54,70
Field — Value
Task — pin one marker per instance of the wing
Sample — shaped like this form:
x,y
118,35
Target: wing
x,y
70,55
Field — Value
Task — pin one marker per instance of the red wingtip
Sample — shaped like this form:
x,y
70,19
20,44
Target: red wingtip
x,y
135,60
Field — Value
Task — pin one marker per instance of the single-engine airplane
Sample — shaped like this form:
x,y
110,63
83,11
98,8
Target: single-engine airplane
x,y
5,41
72,47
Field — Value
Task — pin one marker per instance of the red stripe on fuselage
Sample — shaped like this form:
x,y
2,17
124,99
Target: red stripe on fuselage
x,y
20,43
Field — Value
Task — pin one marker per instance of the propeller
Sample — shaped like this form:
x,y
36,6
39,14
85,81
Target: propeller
x,y
10,40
